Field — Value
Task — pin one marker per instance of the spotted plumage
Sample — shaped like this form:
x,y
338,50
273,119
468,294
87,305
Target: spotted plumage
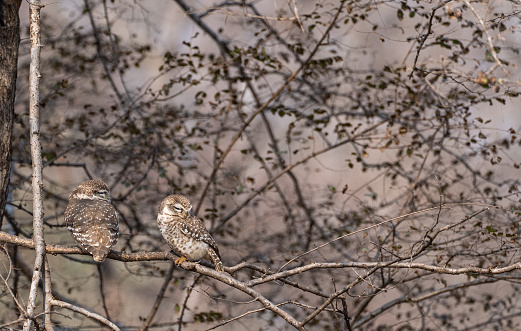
x,y
91,218
185,233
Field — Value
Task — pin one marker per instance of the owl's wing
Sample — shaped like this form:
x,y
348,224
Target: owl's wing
x,y
94,224
93,212
195,228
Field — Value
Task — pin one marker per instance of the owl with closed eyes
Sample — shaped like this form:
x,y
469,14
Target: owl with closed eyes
x,y
185,233
91,218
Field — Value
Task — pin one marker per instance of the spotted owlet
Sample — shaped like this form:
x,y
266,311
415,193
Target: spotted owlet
x,y
185,233
92,219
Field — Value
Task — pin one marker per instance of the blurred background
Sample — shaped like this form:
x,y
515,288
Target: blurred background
x,y
399,107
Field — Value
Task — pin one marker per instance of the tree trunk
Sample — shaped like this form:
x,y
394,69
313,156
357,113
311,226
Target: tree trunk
x,y
9,41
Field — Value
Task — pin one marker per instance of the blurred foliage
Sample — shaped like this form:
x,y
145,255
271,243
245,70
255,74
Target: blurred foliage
x,y
373,127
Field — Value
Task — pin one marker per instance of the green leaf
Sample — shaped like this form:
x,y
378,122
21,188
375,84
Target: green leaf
x,y
48,155
399,13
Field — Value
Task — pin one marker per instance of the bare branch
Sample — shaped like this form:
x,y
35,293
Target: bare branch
x,y
20,307
36,156
102,294
159,298
151,256
265,104
6,325
85,312
289,168
47,297
358,231
490,44
407,298
426,35
185,302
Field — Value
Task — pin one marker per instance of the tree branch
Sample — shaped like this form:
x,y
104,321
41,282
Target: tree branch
x,y
260,109
36,156
85,312
426,35
47,297
159,298
161,256
185,302
408,299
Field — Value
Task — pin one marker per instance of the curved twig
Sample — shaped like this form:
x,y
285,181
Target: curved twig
x,y
85,312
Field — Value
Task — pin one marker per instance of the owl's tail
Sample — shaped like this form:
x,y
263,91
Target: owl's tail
x,y
219,266
98,253
216,260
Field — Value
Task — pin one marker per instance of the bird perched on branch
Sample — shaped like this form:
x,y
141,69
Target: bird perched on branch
x,y
185,233
92,219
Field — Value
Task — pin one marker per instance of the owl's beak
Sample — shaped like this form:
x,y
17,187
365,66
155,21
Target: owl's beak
x,y
185,214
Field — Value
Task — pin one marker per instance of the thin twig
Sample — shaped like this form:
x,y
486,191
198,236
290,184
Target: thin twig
x,y
47,297
20,307
159,298
5,326
242,315
289,168
101,56
408,299
346,315
85,312
490,44
27,272
426,35
185,301
424,246
102,293
260,109
357,231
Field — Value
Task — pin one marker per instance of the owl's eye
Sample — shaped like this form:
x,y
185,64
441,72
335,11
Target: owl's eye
x,y
177,209
102,194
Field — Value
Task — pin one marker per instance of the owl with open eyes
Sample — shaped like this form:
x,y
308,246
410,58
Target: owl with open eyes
x,y
91,218
185,233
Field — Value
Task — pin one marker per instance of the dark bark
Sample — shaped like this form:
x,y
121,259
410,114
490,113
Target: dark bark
x,y
9,41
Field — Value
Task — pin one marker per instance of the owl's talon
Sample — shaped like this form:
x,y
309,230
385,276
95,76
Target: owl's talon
x,y
180,260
